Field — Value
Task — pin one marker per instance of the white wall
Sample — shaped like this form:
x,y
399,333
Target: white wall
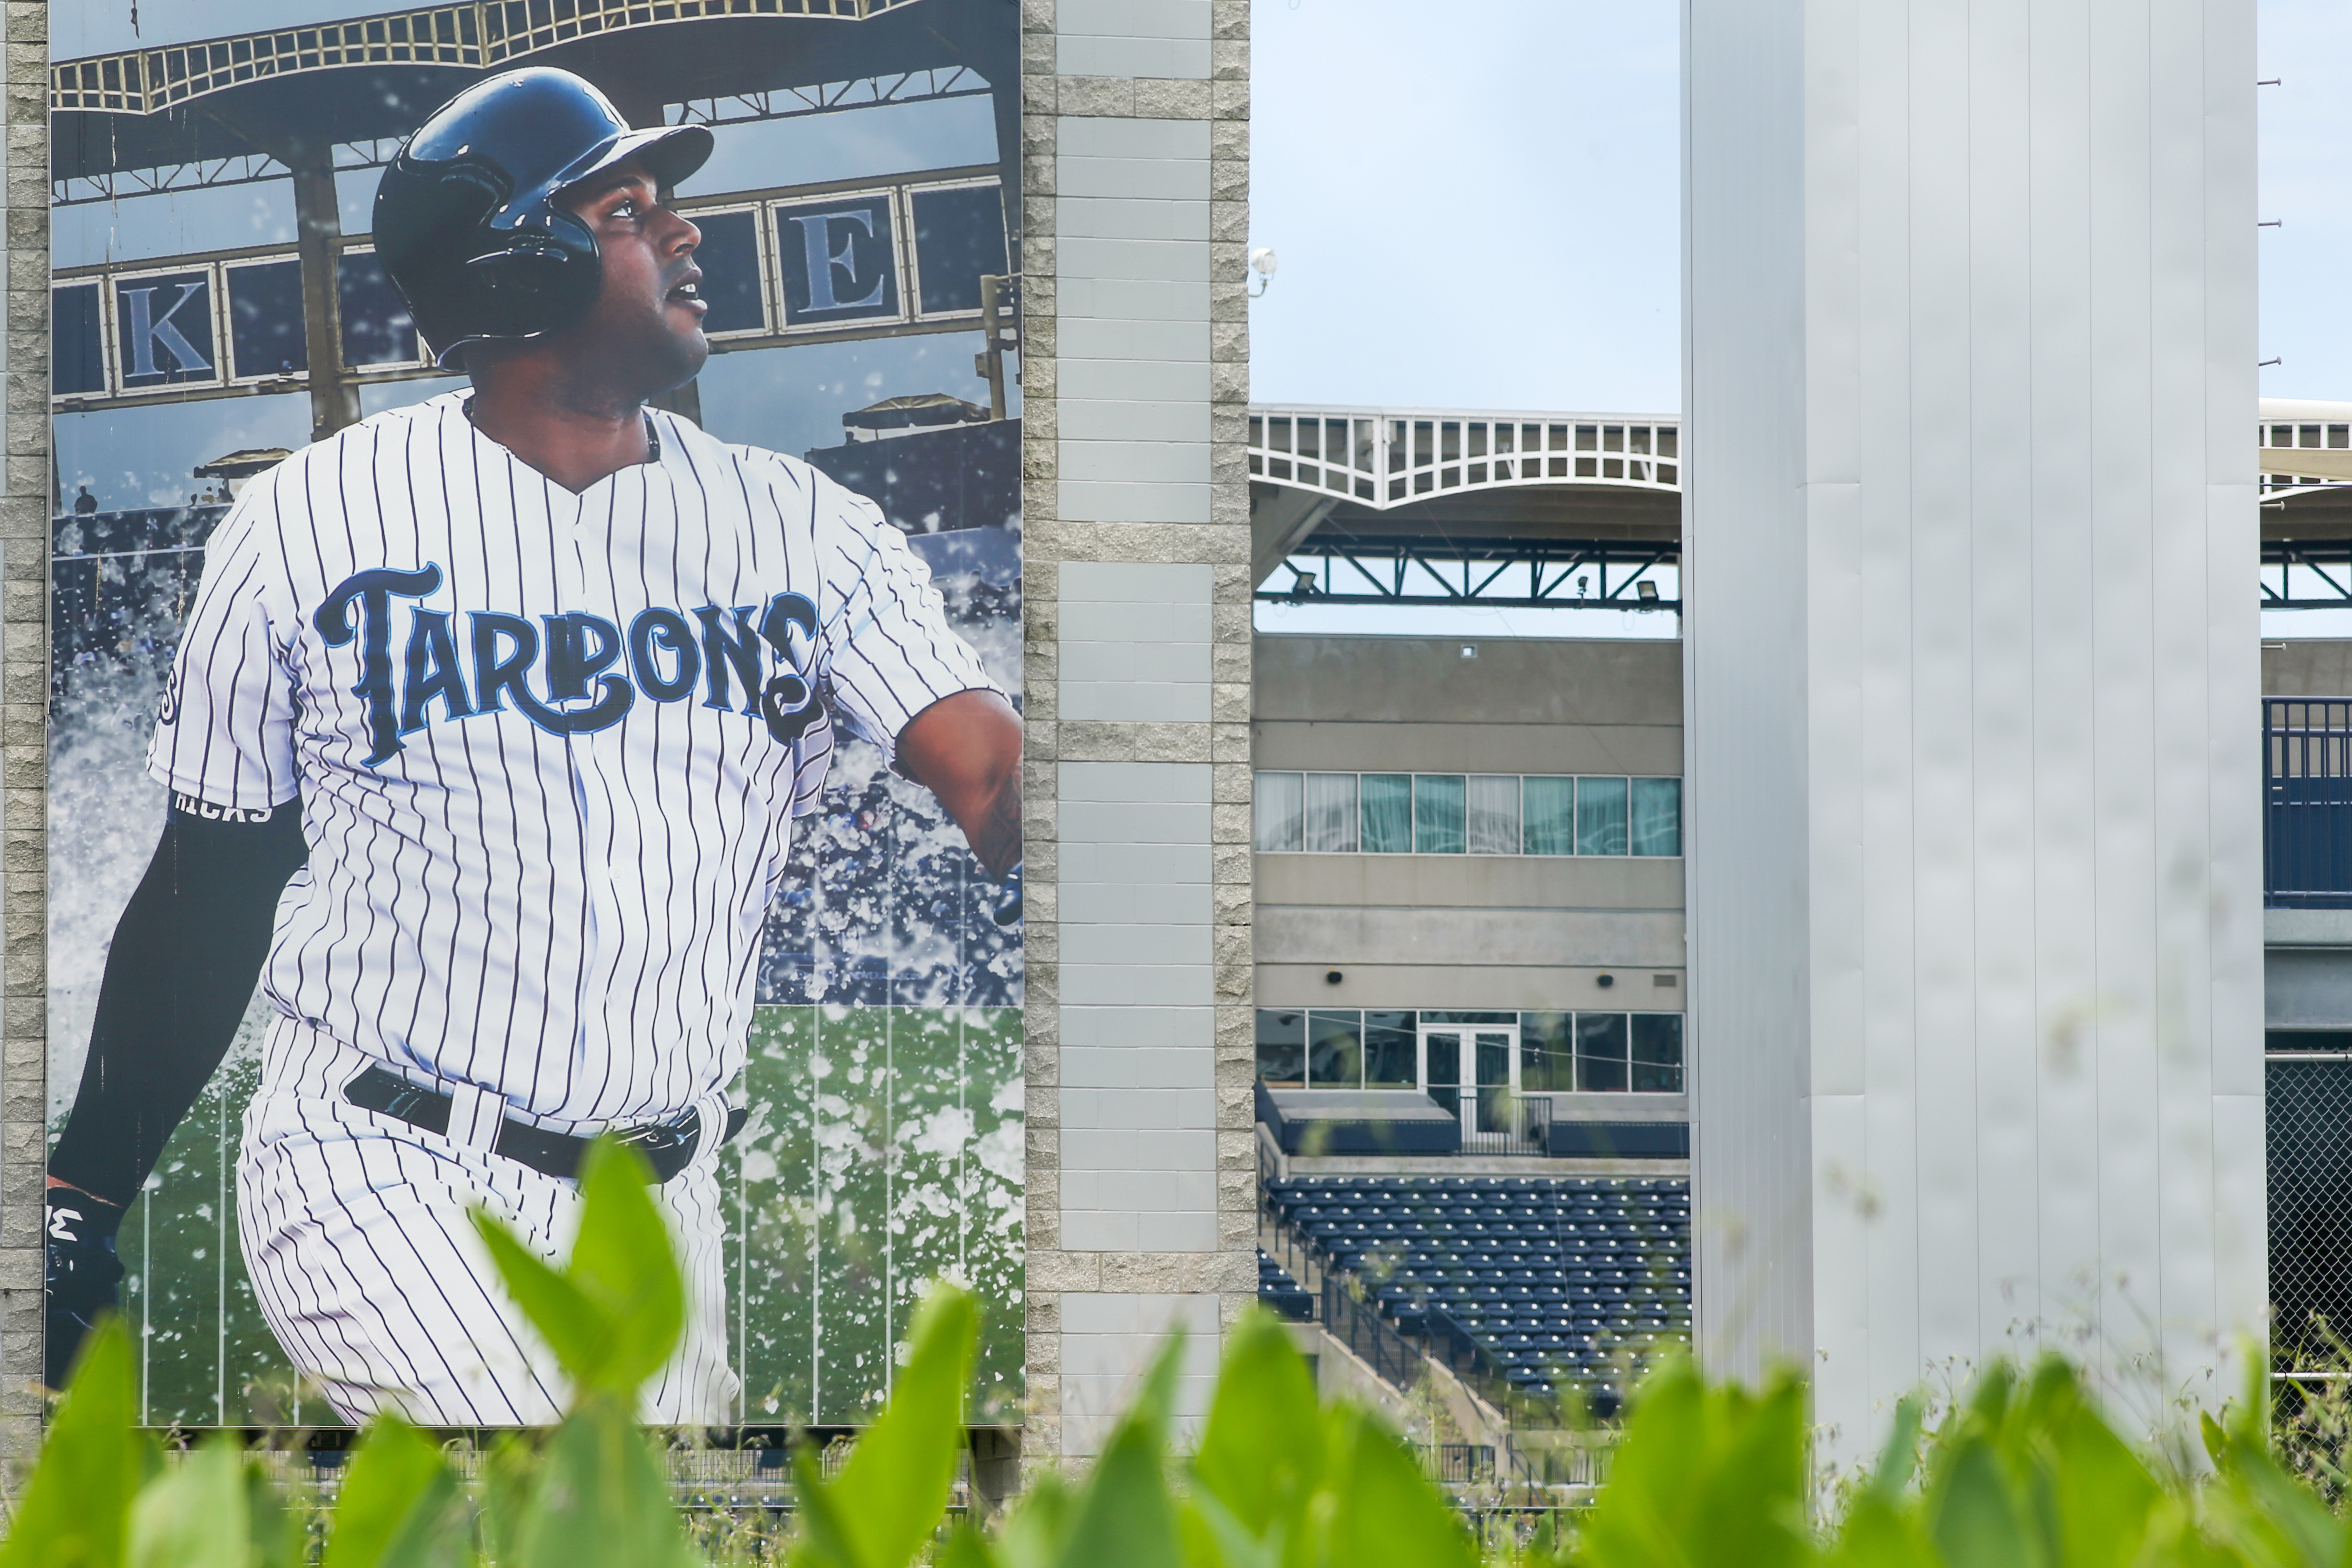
x,y
1975,902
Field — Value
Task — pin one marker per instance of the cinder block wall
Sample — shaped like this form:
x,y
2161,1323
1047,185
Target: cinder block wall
x,y
1141,1168
24,729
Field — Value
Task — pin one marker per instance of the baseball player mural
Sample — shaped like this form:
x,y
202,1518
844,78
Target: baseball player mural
x,y
485,740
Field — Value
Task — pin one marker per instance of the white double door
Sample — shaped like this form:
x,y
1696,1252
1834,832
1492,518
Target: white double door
x,y
1473,1069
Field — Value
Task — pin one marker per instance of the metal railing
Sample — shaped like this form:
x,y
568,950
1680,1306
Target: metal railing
x,y
1462,1464
2307,802
1358,1325
1509,1124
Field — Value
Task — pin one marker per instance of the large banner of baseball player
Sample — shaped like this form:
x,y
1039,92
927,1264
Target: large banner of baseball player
x,y
537,617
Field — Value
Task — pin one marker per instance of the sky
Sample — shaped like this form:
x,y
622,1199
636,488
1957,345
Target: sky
x,y
1486,216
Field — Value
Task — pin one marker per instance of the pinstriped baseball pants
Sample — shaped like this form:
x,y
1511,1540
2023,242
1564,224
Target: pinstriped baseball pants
x,y
357,1235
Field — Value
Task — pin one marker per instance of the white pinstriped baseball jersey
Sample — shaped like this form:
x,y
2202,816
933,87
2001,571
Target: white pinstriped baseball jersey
x,y
548,746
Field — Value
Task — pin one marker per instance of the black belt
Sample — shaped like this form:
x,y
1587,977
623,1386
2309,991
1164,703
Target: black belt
x,y
669,1148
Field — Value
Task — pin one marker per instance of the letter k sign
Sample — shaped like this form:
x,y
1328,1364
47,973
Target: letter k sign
x,y
144,329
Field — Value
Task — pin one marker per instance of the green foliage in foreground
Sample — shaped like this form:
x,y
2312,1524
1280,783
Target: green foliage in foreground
x,y
2022,1472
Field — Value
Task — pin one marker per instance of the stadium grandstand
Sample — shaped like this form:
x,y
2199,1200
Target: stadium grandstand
x,y
1473,1128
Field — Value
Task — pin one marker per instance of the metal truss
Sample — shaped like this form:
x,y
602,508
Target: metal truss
x,y
477,35
375,153
1489,573
1384,457
2306,573
786,103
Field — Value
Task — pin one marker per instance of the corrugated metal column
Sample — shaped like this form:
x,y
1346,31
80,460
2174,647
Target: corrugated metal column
x,y
1974,823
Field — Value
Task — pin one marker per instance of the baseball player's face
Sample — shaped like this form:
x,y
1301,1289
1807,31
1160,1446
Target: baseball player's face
x,y
645,330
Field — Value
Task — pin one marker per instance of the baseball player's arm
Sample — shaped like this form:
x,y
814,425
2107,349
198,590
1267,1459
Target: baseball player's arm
x,y
179,975
966,748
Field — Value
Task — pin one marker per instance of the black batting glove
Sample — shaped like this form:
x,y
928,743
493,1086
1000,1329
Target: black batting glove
x,y
84,1275
1008,906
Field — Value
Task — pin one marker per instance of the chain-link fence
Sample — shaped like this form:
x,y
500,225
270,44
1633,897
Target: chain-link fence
x,y
2310,1117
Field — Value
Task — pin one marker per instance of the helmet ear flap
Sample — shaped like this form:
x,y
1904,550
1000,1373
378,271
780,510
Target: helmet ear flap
x,y
540,282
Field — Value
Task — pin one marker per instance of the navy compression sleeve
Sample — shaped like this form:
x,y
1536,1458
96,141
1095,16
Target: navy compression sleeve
x,y
186,954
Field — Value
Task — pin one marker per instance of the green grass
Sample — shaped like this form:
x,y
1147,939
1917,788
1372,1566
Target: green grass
x,y
884,1152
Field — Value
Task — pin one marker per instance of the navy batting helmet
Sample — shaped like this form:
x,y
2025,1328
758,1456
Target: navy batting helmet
x,y
467,221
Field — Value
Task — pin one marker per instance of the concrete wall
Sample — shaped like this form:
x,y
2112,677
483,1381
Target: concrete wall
x,y
1456,930
2307,667
1974,821
1140,1202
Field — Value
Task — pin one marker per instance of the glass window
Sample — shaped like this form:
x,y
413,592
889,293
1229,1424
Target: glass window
x,y
1657,1053
1331,813
1599,816
1437,814
1282,1047
1551,820
1491,813
1335,1050
1601,1052
1389,1044
1657,816
1546,1052
1280,807
1388,814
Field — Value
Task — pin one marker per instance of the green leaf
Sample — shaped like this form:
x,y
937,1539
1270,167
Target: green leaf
x,y
625,1262
570,1324
76,1511
1878,1534
1125,1514
967,1548
602,1498
1973,1520
1262,1454
2104,1497
395,1507
1704,1476
614,1314
510,1477
198,1514
1211,1537
1899,1459
824,1540
1385,1513
1038,1526
893,1491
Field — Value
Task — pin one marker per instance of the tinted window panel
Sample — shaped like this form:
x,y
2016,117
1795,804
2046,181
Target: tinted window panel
x,y
1601,1052
729,259
1389,1044
377,327
1491,813
1657,816
1658,1053
265,318
1280,803
1437,814
1546,1052
163,330
958,237
1331,813
1388,814
1335,1050
76,357
1281,1046
839,261
1599,816
1550,816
